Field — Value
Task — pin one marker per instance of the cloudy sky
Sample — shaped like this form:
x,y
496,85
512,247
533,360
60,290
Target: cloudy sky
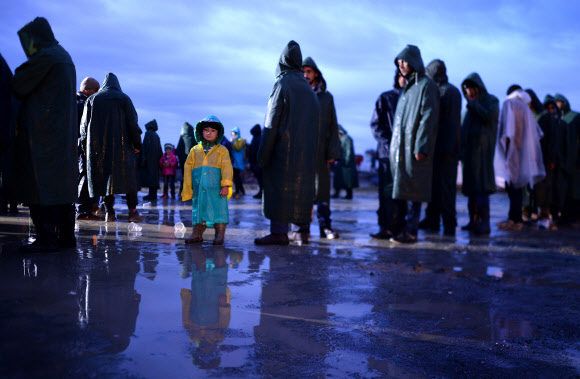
x,y
183,60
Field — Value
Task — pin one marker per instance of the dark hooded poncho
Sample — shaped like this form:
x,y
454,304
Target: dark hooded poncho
x,y
414,132
345,172
449,130
185,144
5,104
149,157
256,132
383,118
328,142
289,143
110,134
572,120
46,168
479,134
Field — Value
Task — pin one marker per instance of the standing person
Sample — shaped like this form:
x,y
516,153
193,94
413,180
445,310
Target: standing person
x,y
239,161
345,172
184,145
111,138
478,133
447,150
89,87
256,132
572,121
518,156
6,138
149,160
289,146
328,146
413,142
382,127
208,192
46,170
541,195
168,165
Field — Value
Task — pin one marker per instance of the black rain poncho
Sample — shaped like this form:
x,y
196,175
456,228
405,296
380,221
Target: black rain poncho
x,y
110,134
414,132
345,172
149,157
185,143
478,136
289,143
328,142
572,120
45,146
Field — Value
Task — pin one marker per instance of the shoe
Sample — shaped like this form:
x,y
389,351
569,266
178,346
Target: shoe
x,y
36,248
300,237
427,224
100,211
88,217
273,239
544,223
220,232
328,233
196,234
135,217
405,238
164,196
510,225
383,234
110,217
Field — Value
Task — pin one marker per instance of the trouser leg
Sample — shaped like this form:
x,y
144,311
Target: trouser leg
x,y
45,222
386,203
66,225
323,214
165,184
277,227
172,184
110,203
515,196
412,218
132,200
401,208
448,193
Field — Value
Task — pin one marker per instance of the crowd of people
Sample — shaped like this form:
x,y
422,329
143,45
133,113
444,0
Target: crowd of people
x,y
61,147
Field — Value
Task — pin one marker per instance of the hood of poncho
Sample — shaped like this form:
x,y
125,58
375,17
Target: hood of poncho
x,y
412,55
437,71
212,122
111,82
321,82
474,79
562,98
151,125
290,59
36,35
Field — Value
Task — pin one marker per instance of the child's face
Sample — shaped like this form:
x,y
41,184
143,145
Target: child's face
x,y
210,134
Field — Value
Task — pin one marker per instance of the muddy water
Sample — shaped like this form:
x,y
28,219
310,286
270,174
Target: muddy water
x,y
142,304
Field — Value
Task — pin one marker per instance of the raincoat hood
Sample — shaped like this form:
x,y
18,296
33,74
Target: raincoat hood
x,y
111,82
474,78
521,95
437,71
536,103
256,130
213,122
396,82
36,35
290,59
412,55
151,125
562,98
310,63
341,130
186,129
237,131
549,99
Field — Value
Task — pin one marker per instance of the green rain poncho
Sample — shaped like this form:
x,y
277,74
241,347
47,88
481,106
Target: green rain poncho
x,y
414,132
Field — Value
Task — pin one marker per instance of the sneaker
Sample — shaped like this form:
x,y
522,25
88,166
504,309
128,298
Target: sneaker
x,y
273,239
405,238
135,217
300,237
328,233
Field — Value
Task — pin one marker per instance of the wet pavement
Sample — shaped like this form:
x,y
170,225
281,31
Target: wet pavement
x,y
142,304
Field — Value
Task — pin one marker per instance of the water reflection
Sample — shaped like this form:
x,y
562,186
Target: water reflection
x,y
205,308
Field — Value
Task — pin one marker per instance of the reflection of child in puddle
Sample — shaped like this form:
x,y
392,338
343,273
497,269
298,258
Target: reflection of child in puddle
x,y
206,307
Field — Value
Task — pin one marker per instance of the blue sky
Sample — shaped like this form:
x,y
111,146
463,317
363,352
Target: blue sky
x,y
184,60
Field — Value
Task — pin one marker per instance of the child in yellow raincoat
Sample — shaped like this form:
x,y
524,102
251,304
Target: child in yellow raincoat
x,y
207,181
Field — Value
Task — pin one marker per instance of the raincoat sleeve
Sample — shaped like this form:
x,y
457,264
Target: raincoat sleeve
x,y
227,170
187,193
29,75
429,118
273,117
85,121
133,125
378,124
333,142
485,109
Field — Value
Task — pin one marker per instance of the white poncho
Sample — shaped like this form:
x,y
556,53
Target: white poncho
x,y
521,162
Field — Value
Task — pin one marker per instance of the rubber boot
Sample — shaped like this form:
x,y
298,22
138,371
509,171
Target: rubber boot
x,y
482,226
220,232
472,208
196,235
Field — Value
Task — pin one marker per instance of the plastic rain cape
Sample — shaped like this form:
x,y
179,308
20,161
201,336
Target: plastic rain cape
x,y
521,162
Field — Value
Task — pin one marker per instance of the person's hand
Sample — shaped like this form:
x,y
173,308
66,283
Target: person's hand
x,y
420,156
224,191
137,151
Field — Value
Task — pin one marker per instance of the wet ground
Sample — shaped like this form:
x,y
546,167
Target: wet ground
x,y
143,304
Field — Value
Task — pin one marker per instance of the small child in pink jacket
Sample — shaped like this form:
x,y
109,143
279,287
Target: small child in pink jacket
x,y
168,164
